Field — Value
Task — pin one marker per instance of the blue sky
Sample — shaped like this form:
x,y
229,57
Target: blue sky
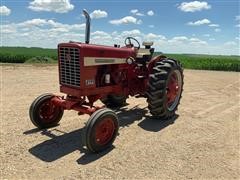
x,y
208,27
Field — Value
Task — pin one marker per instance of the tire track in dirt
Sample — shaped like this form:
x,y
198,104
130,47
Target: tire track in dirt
x,y
210,109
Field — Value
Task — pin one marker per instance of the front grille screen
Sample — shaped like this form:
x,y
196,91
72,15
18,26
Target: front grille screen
x,y
69,66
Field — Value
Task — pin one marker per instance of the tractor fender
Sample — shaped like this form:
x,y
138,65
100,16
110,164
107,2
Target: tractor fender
x,y
153,61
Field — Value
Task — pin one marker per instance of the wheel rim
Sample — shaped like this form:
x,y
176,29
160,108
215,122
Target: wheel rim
x,y
48,111
174,88
104,131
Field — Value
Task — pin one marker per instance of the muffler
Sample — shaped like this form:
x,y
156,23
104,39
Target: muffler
x,y
88,23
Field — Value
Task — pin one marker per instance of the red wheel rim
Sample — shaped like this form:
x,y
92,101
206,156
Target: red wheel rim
x,y
173,89
104,131
47,111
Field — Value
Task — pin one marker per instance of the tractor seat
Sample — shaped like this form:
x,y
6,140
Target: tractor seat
x,y
145,51
147,44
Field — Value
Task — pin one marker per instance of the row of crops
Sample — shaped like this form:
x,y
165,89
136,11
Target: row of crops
x,y
189,61
27,55
209,62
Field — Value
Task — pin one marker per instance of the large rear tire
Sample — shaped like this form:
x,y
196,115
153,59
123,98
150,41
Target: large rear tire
x,y
165,88
43,113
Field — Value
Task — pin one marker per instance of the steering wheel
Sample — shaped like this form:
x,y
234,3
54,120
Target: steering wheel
x,y
130,42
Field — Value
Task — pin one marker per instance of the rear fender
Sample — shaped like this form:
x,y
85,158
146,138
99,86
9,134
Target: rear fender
x,y
153,61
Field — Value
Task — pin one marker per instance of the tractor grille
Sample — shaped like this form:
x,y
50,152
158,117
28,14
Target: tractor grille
x,y
69,66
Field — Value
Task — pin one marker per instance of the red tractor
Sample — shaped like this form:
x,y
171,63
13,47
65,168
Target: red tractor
x,y
89,72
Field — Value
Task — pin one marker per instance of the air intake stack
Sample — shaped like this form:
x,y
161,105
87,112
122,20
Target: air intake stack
x,y
88,23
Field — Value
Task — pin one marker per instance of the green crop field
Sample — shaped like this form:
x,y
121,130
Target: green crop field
x,y
27,55
189,61
208,62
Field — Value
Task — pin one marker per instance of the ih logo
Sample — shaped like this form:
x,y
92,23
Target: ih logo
x,y
68,57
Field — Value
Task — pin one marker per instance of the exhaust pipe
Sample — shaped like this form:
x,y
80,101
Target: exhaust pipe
x,y
88,22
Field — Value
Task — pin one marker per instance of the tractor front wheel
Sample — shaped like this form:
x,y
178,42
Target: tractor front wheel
x,y
101,130
165,88
43,113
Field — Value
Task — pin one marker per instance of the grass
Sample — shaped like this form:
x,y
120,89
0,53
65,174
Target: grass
x,y
189,61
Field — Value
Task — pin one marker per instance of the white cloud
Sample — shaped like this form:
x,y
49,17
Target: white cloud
x,y
139,14
194,6
151,36
206,35
4,11
34,22
197,41
237,18
217,30
212,39
49,33
97,14
134,32
99,33
118,37
40,33
41,24
100,37
58,6
136,12
179,38
60,30
126,20
139,21
8,29
51,25
183,40
150,13
213,25
199,22
178,44
230,43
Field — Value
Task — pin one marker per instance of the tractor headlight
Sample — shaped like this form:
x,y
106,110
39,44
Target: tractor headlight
x,y
130,60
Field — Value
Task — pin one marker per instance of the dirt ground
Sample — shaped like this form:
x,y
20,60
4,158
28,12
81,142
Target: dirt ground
x,y
202,142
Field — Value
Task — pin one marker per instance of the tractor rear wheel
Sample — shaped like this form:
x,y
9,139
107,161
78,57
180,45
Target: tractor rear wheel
x,y
113,100
43,113
165,88
101,130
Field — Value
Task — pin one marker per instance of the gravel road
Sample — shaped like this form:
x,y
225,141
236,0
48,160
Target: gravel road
x,y
202,142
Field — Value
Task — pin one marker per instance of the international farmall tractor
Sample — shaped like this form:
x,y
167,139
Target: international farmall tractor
x,y
89,72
